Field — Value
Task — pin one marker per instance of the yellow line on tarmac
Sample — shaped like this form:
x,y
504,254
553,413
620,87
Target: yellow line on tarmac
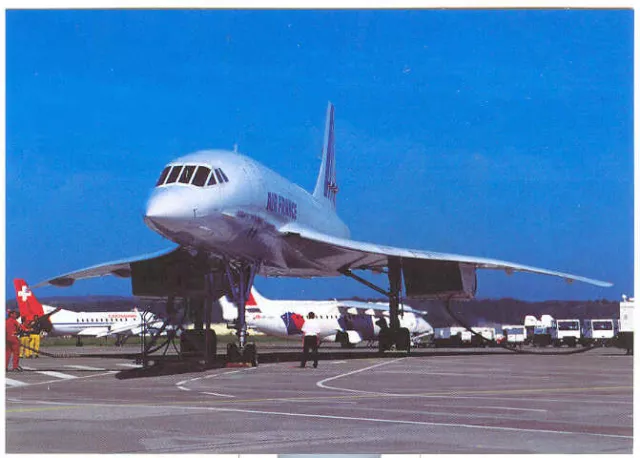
x,y
40,409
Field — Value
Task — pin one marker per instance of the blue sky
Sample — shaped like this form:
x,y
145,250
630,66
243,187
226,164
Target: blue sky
x,y
506,134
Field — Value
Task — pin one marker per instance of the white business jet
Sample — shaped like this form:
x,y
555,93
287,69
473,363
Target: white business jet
x,y
233,218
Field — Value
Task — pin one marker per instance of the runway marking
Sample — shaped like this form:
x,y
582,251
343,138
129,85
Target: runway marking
x,y
180,385
76,378
319,416
486,407
57,374
572,401
412,422
12,382
218,394
84,368
321,383
37,409
467,374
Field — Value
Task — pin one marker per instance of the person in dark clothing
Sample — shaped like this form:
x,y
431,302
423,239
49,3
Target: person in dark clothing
x,y
34,337
13,328
310,330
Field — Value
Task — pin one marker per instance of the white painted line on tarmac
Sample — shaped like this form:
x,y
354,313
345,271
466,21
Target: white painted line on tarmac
x,y
468,374
321,383
12,382
57,375
414,422
527,400
84,377
129,365
180,385
217,394
85,368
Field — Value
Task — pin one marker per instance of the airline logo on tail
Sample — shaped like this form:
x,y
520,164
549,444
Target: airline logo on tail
x,y
330,186
251,305
28,304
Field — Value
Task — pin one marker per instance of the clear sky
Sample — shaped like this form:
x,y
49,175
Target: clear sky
x,y
505,134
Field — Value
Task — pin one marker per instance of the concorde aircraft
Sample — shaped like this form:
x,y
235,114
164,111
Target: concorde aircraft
x,y
233,218
345,322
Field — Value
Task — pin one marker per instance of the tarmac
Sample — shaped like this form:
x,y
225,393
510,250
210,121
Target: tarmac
x,y
99,400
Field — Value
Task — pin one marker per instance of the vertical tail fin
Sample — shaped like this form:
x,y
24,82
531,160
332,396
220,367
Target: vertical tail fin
x,y
28,304
326,186
256,303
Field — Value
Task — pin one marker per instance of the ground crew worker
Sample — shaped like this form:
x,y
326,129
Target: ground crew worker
x,y
24,341
34,337
13,328
310,330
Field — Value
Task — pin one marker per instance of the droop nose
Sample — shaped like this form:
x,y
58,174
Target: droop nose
x,y
166,208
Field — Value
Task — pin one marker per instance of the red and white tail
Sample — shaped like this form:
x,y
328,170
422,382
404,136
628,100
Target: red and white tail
x,y
28,304
255,304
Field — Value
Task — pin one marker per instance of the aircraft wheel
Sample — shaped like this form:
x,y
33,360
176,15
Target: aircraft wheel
x,y
250,354
403,340
233,354
384,340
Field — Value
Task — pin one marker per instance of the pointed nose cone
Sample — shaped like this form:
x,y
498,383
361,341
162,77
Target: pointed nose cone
x,y
168,209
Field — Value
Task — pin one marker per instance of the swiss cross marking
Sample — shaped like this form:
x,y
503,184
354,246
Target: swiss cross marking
x,y
24,293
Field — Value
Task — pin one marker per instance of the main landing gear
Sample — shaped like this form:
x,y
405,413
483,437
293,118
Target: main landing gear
x,y
240,278
392,335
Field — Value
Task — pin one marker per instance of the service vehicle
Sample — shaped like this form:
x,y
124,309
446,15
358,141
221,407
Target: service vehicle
x,y
565,332
598,332
514,334
625,334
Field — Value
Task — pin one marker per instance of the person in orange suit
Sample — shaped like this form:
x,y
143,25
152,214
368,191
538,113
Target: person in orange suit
x,y
13,328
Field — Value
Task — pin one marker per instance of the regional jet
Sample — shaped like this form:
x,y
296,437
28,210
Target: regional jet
x,y
56,321
345,322
233,218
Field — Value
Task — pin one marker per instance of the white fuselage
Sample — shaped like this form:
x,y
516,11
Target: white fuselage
x,y
359,320
242,216
67,322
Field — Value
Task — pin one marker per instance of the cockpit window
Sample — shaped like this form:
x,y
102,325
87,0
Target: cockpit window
x,y
201,176
163,176
187,174
173,176
197,175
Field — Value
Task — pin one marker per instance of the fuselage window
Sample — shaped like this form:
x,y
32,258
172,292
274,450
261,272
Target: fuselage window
x,y
187,173
163,176
201,176
173,176
220,180
212,180
224,176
